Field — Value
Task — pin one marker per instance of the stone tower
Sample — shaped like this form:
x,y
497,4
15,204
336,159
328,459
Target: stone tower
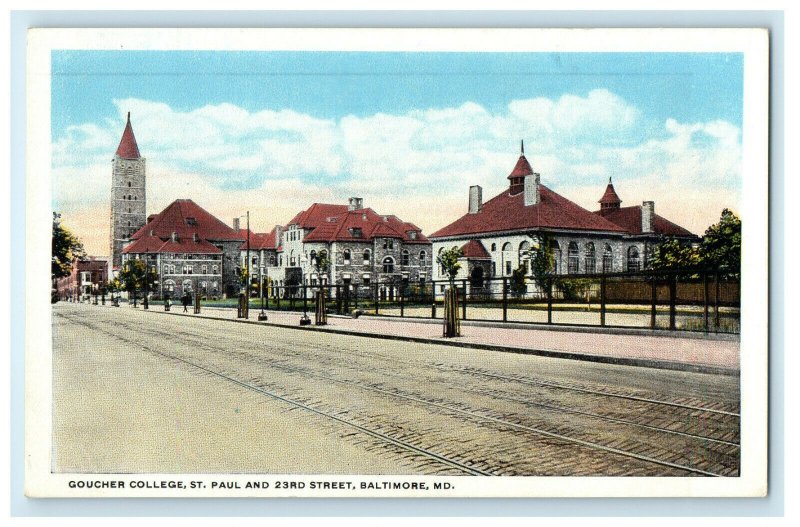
x,y
128,193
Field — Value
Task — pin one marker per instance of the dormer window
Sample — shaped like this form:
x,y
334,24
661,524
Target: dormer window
x,y
191,221
356,232
412,235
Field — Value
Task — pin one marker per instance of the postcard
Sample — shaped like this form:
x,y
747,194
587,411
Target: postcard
x,y
397,263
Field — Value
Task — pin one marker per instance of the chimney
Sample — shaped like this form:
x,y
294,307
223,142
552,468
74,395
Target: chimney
x,y
278,234
356,204
152,232
194,237
531,189
174,236
236,224
648,216
475,199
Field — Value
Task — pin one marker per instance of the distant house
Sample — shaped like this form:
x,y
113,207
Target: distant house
x,y
190,249
496,236
88,276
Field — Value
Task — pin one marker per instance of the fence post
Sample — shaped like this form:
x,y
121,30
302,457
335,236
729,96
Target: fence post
x,y
603,300
376,298
653,301
464,303
505,299
716,302
338,289
549,301
305,298
705,301
402,306
673,293
433,299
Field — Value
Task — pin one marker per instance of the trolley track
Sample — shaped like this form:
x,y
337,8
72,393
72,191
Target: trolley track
x,y
198,342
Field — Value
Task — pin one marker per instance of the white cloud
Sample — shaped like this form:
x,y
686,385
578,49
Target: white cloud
x,y
418,165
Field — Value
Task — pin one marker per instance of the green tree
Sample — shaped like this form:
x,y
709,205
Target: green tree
x,y
448,259
135,274
66,249
721,247
517,285
672,254
542,261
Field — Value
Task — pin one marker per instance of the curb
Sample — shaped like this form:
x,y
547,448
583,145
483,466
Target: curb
x,y
603,359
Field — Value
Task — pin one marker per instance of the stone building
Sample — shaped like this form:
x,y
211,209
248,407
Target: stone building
x,y
363,248
190,249
496,236
128,193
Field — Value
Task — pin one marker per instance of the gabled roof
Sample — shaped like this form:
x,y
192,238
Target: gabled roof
x,y
506,212
128,149
474,250
262,240
317,214
186,218
630,219
355,225
155,245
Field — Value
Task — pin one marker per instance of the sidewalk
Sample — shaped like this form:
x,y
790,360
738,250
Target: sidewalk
x,y
653,351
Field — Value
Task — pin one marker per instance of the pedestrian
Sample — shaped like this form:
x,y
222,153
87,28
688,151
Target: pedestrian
x,y
185,299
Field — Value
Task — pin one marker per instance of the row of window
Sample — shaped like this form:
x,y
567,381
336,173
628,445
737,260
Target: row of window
x,y
189,269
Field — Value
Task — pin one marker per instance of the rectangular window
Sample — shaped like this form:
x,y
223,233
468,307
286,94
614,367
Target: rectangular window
x,y
204,269
508,268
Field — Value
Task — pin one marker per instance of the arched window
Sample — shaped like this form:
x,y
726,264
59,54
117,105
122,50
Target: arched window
x,y
346,256
272,260
169,286
494,247
129,186
556,249
589,262
507,249
422,256
187,286
634,261
367,256
572,258
524,255
313,257
405,258
388,264
608,259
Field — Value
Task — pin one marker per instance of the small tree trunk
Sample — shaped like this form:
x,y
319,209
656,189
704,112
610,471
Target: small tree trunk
x,y
452,324
321,316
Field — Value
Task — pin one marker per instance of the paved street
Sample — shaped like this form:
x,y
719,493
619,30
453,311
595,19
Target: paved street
x,y
139,391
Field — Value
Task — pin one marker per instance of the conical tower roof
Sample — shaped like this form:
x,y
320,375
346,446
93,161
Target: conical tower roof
x,y
610,196
128,149
522,168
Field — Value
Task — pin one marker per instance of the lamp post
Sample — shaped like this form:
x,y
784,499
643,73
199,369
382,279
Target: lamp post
x,y
146,304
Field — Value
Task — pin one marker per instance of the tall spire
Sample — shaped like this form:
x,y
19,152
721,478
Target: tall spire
x,y
522,147
128,149
610,201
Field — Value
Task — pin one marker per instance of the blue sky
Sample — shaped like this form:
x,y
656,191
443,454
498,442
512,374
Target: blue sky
x,y
407,131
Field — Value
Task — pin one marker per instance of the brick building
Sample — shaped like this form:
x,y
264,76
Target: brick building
x,y
496,236
190,249
88,277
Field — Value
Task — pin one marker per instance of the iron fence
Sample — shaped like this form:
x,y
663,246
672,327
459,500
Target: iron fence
x,y
688,300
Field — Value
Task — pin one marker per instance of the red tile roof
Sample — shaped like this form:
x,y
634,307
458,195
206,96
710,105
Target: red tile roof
x,y
474,250
128,149
630,219
337,223
262,240
187,218
317,214
610,195
521,169
155,245
505,212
